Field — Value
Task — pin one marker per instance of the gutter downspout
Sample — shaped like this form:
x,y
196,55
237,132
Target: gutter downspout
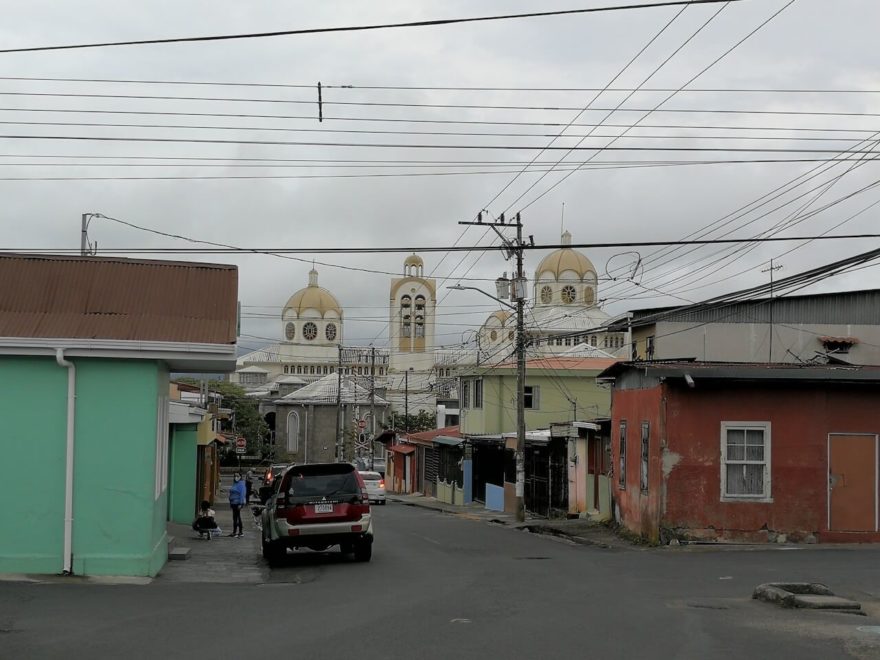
x,y
68,477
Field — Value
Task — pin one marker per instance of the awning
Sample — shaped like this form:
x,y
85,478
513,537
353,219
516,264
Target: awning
x,y
449,441
222,440
402,449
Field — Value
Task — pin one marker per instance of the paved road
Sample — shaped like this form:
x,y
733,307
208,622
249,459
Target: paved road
x,y
440,586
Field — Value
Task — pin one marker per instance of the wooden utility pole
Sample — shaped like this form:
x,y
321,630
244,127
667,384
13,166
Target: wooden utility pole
x,y
339,447
515,290
372,406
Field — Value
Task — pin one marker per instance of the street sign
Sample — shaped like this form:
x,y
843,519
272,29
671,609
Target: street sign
x,y
240,445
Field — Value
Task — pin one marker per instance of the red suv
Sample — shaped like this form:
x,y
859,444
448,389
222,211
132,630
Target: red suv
x,y
317,506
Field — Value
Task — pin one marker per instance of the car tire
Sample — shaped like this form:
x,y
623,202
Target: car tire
x,y
363,551
383,502
346,548
275,552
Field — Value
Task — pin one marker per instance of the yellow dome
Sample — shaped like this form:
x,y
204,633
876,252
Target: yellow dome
x,y
501,315
413,260
313,297
565,259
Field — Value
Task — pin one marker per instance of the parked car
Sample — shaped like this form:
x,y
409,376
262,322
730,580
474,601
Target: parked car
x,y
318,506
269,480
375,486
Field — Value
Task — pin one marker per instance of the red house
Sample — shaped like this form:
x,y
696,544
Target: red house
x,y
756,452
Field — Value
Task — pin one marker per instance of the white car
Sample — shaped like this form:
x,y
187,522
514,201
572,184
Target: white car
x,y
375,486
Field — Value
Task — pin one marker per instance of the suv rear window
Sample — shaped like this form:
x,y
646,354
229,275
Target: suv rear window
x,y
301,486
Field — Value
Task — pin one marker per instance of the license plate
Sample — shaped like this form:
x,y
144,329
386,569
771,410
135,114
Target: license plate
x,y
323,508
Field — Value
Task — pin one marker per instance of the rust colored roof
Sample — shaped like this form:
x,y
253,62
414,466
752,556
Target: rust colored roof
x,y
425,437
51,296
402,449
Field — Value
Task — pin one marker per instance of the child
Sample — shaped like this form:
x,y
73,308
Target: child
x,y
205,524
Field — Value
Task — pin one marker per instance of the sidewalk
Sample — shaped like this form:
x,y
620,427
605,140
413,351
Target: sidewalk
x,y
576,530
223,558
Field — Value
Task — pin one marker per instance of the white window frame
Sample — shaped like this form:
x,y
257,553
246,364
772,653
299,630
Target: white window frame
x,y
478,393
767,495
293,440
536,397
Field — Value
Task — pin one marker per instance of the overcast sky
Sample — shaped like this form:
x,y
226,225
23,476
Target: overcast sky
x,y
813,44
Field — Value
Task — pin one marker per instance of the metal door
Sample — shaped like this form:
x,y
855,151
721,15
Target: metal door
x,y
852,483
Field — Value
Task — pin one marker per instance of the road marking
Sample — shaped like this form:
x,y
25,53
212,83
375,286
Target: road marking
x,y
459,621
726,577
425,538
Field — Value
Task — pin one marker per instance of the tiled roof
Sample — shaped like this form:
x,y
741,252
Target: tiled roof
x,y
51,296
324,391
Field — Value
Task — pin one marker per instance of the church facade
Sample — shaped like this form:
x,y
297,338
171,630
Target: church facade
x,y
413,372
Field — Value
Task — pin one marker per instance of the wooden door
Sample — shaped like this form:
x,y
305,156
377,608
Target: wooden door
x,y
852,483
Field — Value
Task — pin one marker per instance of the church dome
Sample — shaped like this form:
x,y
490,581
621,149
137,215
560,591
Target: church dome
x,y
565,259
413,260
501,315
313,297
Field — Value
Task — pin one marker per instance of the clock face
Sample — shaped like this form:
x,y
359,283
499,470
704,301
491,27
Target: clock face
x,y
290,331
330,331
310,331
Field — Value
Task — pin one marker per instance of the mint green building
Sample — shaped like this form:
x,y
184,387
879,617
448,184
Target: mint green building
x,y
99,460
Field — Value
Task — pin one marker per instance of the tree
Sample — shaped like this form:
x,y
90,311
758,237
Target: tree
x,y
424,420
246,418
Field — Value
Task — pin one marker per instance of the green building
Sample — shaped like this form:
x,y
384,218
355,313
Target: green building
x,y
95,463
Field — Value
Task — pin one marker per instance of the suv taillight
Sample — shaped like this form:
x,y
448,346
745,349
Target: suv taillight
x,y
381,483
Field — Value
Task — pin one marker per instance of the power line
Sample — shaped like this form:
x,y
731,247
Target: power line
x,y
412,120
658,106
356,28
440,88
442,106
225,249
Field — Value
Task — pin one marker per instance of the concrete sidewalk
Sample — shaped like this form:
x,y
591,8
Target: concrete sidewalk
x,y
223,559
576,530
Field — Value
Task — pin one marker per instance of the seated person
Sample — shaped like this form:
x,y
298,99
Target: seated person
x,y
205,524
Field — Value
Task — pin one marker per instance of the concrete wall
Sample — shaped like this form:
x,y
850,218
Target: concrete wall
x,y
182,468
119,520
498,414
684,495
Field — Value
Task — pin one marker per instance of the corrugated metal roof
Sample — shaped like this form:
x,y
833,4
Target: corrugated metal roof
x,y
747,371
51,296
839,308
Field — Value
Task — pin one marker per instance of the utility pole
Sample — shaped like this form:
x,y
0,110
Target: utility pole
x,y
406,401
516,290
372,406
339,445
770,270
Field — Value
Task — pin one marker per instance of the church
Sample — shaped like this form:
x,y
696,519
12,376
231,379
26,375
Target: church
x,y
413,373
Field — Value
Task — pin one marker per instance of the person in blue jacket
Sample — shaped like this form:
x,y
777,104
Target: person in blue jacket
x,y
237,498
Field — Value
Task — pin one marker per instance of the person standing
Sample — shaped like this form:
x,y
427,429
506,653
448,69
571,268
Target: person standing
x,y
249,485
237,498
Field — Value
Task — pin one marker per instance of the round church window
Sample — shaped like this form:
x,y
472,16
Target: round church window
x,y
310,331
290,331
330,331
568,294
546,294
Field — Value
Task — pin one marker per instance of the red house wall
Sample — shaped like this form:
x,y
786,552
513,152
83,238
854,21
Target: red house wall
x,y
684,496
637,510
